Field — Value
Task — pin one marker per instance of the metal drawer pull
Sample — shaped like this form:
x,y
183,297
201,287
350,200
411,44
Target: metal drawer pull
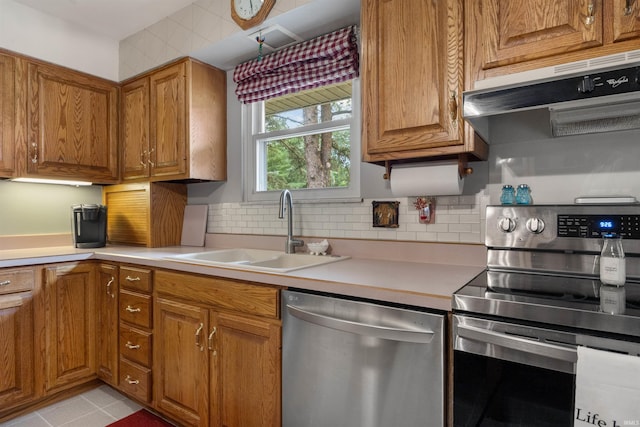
x,y
131,381
5,283
132,346
132,309
198,332
133,279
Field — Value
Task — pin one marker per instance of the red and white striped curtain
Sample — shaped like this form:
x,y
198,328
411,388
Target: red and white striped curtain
x,y
327,59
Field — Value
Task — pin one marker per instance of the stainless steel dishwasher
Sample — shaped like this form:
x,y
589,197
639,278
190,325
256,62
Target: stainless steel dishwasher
x,y
351,363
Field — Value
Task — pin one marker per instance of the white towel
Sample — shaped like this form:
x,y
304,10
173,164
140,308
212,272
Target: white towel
x,y
607,389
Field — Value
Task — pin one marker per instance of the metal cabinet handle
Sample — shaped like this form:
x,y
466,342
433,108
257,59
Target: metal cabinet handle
x,y
133,309
132,346
590,10
210,340
109,283
131,381
628,9
453,106
150,162
133,279
142,161
384,332
5,283
198,332
34,156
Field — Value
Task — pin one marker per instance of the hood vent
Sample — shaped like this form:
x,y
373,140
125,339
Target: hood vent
x,y
589,101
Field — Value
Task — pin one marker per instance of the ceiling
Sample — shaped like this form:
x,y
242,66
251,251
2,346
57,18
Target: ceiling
x,y
116,19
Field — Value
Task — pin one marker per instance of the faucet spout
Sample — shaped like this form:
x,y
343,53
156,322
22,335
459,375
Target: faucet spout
x,y
286,201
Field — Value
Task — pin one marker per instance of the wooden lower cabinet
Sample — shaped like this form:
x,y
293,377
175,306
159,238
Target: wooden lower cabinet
x,y
216,366
107,323
70,325
17,375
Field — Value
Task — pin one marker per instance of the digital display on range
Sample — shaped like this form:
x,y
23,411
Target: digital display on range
x,y
596,226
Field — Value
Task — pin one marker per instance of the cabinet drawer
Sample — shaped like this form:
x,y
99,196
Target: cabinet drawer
x,y
136,309
135,345
135,278
135,380
16,280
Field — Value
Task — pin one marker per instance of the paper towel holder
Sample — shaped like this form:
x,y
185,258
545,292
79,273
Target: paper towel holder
x,y
463,167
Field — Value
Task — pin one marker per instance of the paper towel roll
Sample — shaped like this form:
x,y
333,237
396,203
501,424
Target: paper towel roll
x,y
426,179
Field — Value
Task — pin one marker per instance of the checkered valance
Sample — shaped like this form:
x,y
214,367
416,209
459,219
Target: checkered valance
x,y
331,58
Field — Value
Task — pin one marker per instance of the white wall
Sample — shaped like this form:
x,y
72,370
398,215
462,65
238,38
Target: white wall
x,y
33,33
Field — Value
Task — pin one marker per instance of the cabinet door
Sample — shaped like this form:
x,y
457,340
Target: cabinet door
x,y
181,366
624,19
70,324
245,377
412,76
168,121
72,125
107,323
519,31
7,115
135,160
17,350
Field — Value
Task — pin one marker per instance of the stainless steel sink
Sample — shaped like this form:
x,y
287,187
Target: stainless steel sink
x,y
256,259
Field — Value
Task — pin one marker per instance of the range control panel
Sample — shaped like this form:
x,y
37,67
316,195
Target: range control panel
x,y
566,228
597,226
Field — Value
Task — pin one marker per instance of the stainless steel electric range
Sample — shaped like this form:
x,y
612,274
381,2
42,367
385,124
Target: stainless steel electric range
x,y
517,326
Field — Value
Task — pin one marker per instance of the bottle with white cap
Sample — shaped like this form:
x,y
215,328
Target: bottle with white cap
x,y
612,262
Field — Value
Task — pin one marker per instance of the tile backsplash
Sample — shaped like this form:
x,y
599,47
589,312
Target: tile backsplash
x,y
457,219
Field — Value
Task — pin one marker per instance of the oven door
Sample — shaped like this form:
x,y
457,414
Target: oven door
x,y
507,374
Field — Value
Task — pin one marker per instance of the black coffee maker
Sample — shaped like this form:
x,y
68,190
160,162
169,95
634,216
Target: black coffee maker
x,y
89,225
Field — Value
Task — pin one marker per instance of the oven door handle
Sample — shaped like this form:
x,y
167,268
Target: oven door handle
x,y
384,332
523,344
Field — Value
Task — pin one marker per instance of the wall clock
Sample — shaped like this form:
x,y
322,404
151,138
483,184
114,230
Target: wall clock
x,y
249,13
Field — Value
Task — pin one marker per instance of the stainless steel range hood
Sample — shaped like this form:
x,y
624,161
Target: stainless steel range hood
x,y
592,100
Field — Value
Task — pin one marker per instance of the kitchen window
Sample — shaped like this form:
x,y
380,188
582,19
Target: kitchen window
x,y
308,142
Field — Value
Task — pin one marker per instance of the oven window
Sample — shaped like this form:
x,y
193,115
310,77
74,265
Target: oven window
x,y
492,392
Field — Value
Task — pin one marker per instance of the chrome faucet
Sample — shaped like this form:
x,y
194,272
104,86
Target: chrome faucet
x,y
290,245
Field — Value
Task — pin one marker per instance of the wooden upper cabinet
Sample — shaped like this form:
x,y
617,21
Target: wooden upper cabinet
x,y
625,20
504,36
174,124
134,108
516,31
72,125
412,79
7,115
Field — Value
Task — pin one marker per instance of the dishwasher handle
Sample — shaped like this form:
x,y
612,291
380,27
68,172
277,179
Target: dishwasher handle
x,y
383,332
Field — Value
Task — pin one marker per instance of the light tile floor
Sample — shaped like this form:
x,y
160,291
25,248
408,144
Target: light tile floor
x,y
95,408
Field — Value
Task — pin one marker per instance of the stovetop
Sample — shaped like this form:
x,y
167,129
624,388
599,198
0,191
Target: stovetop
x,y
543,267
567,302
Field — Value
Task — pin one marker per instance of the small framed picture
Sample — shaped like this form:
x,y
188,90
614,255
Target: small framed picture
x,y
385,214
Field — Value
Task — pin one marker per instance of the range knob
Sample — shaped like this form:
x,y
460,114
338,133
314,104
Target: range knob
x,y
506,225
586,85
535,225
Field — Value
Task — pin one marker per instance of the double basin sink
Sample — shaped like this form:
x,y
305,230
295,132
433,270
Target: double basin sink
x,y
256,259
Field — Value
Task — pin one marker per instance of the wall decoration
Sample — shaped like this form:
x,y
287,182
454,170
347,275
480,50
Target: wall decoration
x,y
385,214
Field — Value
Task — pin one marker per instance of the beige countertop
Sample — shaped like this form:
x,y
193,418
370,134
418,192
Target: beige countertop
x,y
423,284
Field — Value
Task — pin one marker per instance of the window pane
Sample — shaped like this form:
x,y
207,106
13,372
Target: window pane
x,y
320,105
310,161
